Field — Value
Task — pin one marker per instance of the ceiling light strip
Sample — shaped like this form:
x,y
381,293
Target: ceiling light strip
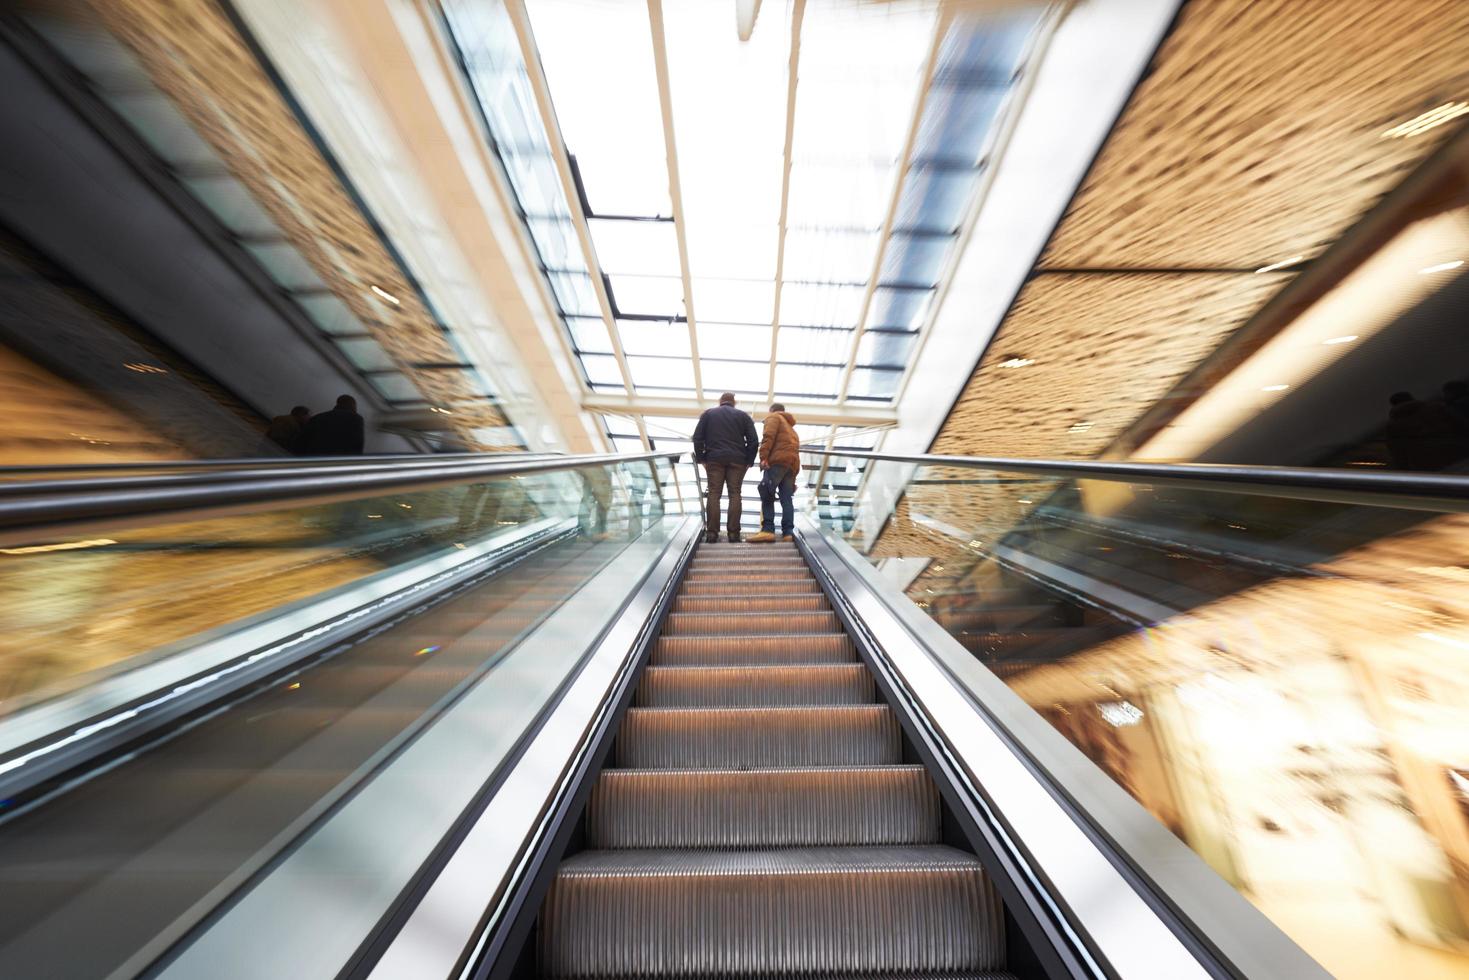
x,y
675,193
798,14
884,235
536,72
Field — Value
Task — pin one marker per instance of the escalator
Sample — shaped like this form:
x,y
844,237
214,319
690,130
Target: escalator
x,y
759,817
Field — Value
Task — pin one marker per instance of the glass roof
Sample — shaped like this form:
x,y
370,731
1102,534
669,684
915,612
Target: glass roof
x,y
796,246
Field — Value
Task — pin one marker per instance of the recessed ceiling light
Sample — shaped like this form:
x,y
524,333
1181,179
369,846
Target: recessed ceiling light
x,y
1281,264
1275,387
1425,121
1441,267
1015,361
1079,426
385,295
1341,340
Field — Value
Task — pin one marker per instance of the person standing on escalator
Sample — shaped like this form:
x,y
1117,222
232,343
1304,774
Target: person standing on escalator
x,y
725,442
780,458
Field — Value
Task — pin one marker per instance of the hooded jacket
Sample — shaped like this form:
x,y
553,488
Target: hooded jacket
x,y
780,446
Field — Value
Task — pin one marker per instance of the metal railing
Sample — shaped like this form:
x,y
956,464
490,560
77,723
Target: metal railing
x,y
1374,488
35,508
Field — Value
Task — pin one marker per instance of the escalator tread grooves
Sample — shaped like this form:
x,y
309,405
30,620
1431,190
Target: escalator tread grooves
x,y
757,818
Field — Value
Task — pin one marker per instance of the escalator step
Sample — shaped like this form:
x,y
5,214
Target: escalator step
x,y
730,651
755,687
743,624
770,808
746,573
903,910
815,602
793,561
758,738
715,586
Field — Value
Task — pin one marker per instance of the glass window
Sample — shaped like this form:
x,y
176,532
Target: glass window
x,y
395,387
821,304
819,346
330,314
661,372
285,265
734,376
163,128
233,205
575,293
738,341
663,338
903,309
366,354
915,259
659,296
639,248
734,300
602,370
829,254
874,383
807,380
935,199
884,349
589,334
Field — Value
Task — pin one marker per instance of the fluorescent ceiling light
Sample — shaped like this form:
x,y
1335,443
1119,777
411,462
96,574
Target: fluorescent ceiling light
x,y
1281,264
1441,267
1015,361
1431,119
385,295
1341,340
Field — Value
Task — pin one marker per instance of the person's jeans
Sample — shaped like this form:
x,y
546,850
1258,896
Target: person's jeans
x,y
722,475
777,481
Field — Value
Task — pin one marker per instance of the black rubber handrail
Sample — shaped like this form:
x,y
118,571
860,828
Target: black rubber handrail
x,y
54,505
1375,488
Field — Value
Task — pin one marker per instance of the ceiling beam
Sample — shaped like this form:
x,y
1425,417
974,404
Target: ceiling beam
x,y
798,14
675,188
534,70
807,413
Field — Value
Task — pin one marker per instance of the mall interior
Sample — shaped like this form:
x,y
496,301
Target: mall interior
x,y
362,613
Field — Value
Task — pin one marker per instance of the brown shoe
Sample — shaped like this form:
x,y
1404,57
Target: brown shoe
x,y
762,537
711,539
789,537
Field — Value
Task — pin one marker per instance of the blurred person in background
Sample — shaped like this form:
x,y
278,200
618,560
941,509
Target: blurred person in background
x,y
286,431
780,458
1422,435
724,441
339,432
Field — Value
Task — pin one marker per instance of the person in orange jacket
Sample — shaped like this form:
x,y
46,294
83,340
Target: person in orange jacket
x,y
780,458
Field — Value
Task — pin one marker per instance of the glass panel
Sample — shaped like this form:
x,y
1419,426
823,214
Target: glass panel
x,y
661,372
660,296
658,337
807,380
366,354
589,334
870,383
820,304
829,254
1208,651
956,124
877,349
285,767
602,369
733,340
734,376
915,259
233,205
285,265
935,199
902,309
618,425
734,300
575,293
163,128
330,314
813,345
640,248
395,387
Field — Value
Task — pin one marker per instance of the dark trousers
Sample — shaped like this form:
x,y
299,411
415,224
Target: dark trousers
x,y
778,481
722,475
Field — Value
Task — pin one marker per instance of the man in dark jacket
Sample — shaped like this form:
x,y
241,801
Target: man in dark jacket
x,y
335,433
286,430
725,442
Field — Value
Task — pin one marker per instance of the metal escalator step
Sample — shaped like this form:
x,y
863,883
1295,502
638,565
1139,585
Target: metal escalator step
x,y
766,686
719,586
813,602
770,808
730,651
758,738
861,910
722,561
755,685
741,624
745,573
